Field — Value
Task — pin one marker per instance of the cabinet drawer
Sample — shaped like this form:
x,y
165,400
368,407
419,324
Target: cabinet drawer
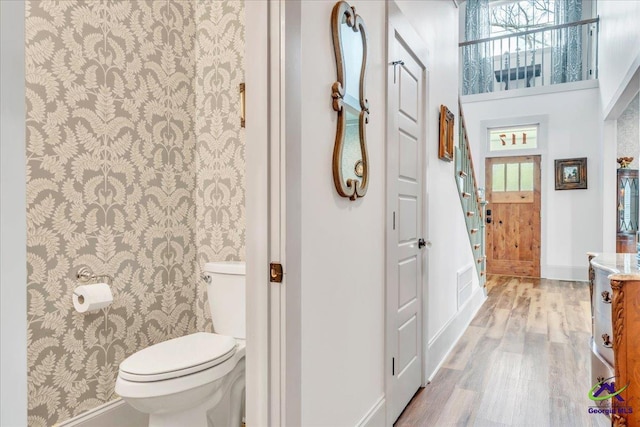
x,y
605,350
602,311
602,295
600,370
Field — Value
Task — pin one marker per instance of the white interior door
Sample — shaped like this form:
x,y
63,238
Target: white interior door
x,y
405,176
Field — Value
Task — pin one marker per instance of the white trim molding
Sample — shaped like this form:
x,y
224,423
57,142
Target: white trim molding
x,y
625,92
375,417
13,220
531,91
114,413
446,339
261,403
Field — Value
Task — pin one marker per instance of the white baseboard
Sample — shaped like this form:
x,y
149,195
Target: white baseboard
x,y
114,413
375,417
444,341
565,272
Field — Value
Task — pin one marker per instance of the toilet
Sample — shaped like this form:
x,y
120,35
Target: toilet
x,y
197,380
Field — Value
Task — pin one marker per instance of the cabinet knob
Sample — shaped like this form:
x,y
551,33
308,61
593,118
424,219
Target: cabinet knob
x,y
606,297
606,342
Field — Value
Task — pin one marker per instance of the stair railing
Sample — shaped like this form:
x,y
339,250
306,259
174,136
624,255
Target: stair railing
x,y
472,200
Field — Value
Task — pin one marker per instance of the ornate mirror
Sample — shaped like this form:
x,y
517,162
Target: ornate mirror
x,y
350,161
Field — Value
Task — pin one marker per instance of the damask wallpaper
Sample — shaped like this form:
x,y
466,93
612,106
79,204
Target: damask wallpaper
x,y
629,132
220,157
135,169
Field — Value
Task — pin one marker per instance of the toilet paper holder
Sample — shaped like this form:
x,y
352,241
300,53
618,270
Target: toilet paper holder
x,y
85,275
90,296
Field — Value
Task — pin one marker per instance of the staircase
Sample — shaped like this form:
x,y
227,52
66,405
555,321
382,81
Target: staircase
x,y
472,200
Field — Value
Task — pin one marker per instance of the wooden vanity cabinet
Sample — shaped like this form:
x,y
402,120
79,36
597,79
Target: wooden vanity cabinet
x,y
615,342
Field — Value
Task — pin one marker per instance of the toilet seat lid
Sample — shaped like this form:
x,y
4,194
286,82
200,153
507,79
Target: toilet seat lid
x,y
178,357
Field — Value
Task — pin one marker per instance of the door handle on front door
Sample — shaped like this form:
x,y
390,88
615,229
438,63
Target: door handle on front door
x,y
421,243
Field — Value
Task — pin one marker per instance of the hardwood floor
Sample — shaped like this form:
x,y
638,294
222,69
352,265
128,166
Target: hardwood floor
x,y
523,361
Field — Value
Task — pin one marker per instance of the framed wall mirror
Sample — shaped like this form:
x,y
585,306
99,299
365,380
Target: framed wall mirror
x,y
350,160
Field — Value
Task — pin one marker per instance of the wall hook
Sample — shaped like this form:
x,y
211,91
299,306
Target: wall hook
x,y
395,63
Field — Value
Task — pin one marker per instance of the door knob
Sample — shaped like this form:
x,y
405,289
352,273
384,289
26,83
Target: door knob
x,y
421,243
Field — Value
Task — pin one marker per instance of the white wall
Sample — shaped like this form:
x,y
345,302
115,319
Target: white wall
x,y
342,242
13,262
619,50
571,127
342,254
610,182
619,77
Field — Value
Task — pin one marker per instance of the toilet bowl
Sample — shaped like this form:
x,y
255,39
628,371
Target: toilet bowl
x,y
197,380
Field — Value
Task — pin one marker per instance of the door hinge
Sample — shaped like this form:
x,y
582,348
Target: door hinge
x,y
393,366
242,105
275,272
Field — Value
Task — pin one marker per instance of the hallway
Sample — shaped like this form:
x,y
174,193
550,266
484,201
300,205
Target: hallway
x,y
523,361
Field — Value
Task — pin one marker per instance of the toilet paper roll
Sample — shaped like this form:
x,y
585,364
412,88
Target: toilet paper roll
x,y
92,297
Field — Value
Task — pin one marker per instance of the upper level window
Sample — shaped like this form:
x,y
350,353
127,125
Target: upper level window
x,y
514,17
516,44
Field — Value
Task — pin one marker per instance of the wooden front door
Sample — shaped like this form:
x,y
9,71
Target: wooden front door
x,y
513,215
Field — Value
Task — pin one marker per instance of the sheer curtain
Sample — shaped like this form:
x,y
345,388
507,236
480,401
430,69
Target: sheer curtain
x,y
566,54
477,76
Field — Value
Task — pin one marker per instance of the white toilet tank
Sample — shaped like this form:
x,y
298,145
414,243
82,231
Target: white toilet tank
x,y
226,291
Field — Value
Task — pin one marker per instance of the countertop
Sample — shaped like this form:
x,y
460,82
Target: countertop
x,y
621,266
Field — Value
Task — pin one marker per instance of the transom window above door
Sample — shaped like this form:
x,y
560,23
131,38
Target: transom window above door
x,y
513,138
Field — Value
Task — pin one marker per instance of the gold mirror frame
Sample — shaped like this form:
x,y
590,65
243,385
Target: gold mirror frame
x,y
352,188
445,147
